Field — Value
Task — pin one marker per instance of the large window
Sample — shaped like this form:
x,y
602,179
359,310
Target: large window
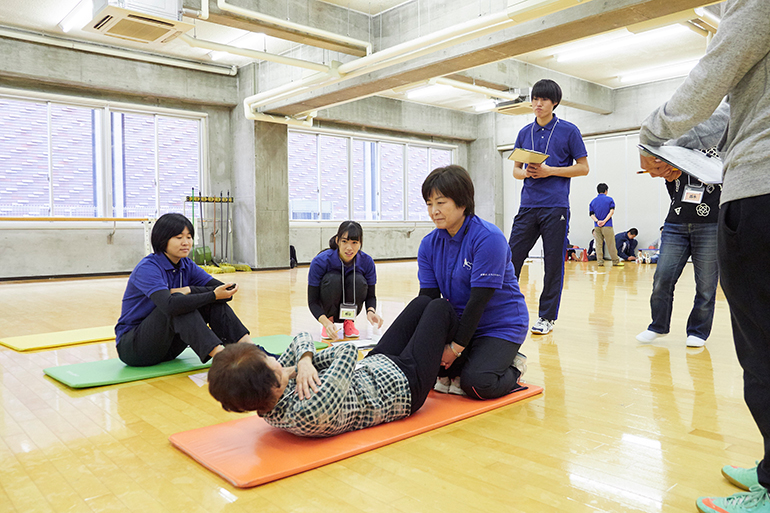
x,y
337,177
73,160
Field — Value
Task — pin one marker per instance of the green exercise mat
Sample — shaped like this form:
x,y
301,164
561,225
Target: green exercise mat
x,y
112,371
277,344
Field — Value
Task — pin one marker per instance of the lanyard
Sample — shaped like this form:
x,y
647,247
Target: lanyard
x,y
354,279
548,142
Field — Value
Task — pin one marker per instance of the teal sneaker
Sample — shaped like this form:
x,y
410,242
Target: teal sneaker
x,y
743,478
754,501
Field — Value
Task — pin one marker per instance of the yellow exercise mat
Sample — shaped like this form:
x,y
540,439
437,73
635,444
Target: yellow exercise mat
x,y
59,338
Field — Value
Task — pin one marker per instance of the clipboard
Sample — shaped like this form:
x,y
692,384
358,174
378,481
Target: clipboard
x,y
692,162
527,156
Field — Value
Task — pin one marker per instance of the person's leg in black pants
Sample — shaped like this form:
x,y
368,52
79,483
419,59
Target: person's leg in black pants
x,y
160,338
554,223
415,342
743,271
330,293
488,372
524,233
356,289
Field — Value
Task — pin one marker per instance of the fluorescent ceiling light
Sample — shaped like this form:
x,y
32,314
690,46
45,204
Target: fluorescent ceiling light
x,y
603,47
78,16
485,106
678,69
431,91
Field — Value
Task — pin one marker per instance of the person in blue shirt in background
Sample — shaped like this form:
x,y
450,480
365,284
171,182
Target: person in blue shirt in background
x,y
466,260
170,303
325,291
544,209
601,210
625,244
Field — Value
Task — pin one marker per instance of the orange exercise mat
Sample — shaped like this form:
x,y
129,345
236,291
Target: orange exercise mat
x,y
248,452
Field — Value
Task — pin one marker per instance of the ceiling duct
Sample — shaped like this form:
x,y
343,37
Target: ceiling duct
x,y
144,21
520,105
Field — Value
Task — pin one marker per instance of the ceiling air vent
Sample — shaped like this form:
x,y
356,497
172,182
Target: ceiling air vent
x,y
142,21
521,105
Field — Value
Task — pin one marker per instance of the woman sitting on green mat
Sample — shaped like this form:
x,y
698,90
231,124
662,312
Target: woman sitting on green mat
x,y
170,303
328,393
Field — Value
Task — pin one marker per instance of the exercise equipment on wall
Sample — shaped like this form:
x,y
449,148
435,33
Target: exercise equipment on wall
x,y
202,253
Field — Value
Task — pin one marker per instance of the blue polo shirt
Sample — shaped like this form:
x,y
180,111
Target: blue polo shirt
x,y
562,141
155,272
477,256
329,260
601,206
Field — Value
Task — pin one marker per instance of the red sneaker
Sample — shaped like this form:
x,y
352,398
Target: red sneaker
x,y
349,328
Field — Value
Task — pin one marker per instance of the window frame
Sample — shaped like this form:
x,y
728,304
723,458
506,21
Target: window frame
x,y
103,139
350,137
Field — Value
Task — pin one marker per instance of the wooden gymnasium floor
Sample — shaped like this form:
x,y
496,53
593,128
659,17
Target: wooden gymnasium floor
x,y
621,426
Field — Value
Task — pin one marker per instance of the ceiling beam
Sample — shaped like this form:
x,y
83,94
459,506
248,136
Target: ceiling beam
x,y
584,20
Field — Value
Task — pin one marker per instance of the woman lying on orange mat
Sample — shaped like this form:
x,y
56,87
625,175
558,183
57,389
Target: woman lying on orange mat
x,y
170,303
327,393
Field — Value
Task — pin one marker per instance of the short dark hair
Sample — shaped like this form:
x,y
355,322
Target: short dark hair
x,y
353,230
167,226
240,379
602,188
548,89
633,231
453,182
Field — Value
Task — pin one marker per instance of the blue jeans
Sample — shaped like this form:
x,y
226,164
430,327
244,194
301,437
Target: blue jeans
x,y
678,243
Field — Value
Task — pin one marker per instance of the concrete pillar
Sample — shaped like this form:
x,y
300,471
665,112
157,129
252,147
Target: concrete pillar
x,y
271,195
485,167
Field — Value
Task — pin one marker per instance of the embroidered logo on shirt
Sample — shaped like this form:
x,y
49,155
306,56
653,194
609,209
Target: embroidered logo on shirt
x,y
562,219
677,210
467,265
703,210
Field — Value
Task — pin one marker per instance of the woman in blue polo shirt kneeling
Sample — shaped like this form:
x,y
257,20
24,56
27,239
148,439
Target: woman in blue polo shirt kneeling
x,y
170,303
330,295
468,261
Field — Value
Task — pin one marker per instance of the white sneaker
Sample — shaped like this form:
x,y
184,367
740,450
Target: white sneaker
x,y
693,341
520,362
647,336
542,326
454,387
442,385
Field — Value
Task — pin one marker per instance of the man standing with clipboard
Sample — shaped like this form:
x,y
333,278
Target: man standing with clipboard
x,y
544,208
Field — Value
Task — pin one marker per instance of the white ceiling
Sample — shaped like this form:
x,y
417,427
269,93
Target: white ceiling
x,y
619,52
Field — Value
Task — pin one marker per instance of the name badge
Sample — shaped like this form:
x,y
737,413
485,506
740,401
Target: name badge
x,y
348,311
693,194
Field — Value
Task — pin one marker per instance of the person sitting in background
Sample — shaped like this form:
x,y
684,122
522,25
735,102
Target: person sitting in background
x,y
571,251
653,258
329,295
626,245
170,303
